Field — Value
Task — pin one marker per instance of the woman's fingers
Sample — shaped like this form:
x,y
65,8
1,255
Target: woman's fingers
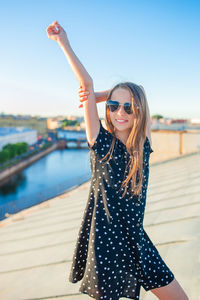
x,y
83,95
52,28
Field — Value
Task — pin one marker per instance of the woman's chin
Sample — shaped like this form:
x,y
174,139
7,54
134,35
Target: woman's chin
x,y
121,127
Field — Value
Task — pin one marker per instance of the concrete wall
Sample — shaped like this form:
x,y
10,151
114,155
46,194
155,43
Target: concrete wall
x,y
170,144
191,142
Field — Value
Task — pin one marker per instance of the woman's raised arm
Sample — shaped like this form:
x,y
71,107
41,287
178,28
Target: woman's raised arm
x,y
56,32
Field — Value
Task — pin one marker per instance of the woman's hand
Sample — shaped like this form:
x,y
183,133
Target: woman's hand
x,y
83,95
56,33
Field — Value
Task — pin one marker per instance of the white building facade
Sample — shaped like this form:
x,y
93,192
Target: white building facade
x,y
13,135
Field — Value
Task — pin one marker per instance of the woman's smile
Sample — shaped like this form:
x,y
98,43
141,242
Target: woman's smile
x,y
121,121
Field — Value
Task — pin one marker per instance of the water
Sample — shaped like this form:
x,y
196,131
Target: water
x,y
48,177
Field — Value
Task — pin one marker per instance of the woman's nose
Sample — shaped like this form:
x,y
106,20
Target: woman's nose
x,y
121,110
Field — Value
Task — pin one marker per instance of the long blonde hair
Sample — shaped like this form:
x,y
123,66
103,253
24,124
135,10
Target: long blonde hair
x,y
136,137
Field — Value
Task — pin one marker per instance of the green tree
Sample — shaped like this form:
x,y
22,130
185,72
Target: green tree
x,y
12,150
157,117
69,123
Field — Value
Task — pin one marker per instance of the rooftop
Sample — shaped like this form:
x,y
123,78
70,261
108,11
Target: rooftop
x,y
37,244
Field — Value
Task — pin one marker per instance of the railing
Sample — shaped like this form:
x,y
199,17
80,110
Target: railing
x,y
15,206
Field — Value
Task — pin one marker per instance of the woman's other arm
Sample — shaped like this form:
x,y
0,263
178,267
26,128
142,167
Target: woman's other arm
x,y
100,96
57,33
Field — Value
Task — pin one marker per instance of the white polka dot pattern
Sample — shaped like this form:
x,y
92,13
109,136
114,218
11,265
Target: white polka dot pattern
x,y
115,259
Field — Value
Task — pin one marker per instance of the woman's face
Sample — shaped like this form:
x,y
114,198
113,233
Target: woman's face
x,y
122,96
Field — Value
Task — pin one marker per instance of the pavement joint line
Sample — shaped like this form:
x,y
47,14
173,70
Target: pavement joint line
x,y
171,242
57,296
171,221
174,182
39,226
172,207
36,266
40,235
175,158
38,248
173,190
169,198
178,163
164,173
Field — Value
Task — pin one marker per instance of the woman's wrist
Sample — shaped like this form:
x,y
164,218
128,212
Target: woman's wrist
x,y
64,44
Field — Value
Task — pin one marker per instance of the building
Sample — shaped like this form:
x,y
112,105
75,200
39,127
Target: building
x,y
13,135
195,121
37,123
54,123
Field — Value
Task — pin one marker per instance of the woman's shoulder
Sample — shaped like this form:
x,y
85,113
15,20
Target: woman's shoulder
x,y
103,139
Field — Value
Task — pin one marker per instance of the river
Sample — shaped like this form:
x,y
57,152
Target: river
x,y
50,176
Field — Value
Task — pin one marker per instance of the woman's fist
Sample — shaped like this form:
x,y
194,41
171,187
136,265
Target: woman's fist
x,y
56,33
83,95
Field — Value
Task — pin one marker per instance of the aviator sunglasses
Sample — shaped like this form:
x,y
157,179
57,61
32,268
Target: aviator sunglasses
x,y
114,105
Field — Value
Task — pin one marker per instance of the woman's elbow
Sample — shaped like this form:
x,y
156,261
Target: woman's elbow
x,y
87,84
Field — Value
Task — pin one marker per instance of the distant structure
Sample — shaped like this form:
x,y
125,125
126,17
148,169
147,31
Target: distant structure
x,y
13,135
37,123
54,123
195,121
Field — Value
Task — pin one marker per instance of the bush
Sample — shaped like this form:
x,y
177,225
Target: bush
x,y
4,156
12,150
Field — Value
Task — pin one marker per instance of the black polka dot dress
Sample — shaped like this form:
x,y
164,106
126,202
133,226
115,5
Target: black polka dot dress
x,y
115,257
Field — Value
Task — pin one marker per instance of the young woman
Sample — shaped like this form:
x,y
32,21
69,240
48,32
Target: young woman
x,y
114,256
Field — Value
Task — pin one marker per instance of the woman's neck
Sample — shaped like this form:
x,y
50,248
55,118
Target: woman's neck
x,y
122,136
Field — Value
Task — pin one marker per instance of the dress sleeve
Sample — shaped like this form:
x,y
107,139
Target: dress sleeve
x,y
102,141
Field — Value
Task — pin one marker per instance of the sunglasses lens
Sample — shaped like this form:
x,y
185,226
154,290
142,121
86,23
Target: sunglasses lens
x,y
112,105
128,108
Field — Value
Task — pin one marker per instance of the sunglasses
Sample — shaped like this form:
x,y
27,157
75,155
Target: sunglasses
x,y
114,106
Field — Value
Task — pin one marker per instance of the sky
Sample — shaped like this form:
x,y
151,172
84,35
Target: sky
x,y
155,44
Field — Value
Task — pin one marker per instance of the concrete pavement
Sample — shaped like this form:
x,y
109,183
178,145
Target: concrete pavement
x,y
37,244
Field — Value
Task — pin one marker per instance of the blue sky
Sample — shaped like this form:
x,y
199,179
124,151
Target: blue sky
x,y
152,43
